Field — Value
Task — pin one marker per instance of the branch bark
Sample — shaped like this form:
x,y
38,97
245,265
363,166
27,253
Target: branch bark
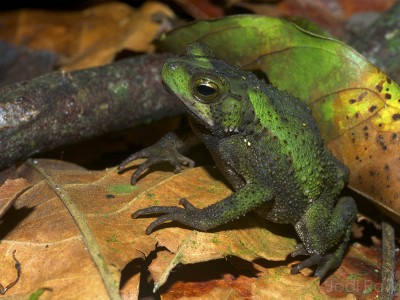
x,y
64,107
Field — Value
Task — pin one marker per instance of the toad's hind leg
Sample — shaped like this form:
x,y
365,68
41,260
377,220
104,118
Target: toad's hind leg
x,y
325,235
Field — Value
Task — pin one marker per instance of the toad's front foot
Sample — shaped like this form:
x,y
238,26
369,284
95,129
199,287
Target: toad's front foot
x,y
324,262
188,215
165,150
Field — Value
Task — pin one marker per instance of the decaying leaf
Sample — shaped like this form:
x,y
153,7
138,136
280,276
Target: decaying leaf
x,y
356,106
73,235
87,38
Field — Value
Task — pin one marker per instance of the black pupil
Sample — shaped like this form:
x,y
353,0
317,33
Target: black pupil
x,y
205,90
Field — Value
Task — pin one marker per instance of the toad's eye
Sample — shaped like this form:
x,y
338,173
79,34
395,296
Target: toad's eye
x,y
206,90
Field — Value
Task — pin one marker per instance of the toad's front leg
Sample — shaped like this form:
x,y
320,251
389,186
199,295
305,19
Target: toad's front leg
x,y
203,219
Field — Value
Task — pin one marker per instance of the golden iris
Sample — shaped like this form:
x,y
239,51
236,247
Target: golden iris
x,y
206,90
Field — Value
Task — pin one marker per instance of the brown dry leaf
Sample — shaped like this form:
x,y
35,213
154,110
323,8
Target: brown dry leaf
x,y
357,278
278,283
73,233
10,191
87,38
216,279
227,288
250,242
220,293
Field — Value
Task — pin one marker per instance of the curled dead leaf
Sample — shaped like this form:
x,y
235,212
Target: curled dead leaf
x,y
86,38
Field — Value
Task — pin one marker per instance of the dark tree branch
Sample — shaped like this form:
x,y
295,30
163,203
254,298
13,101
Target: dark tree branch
x,y
64,107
